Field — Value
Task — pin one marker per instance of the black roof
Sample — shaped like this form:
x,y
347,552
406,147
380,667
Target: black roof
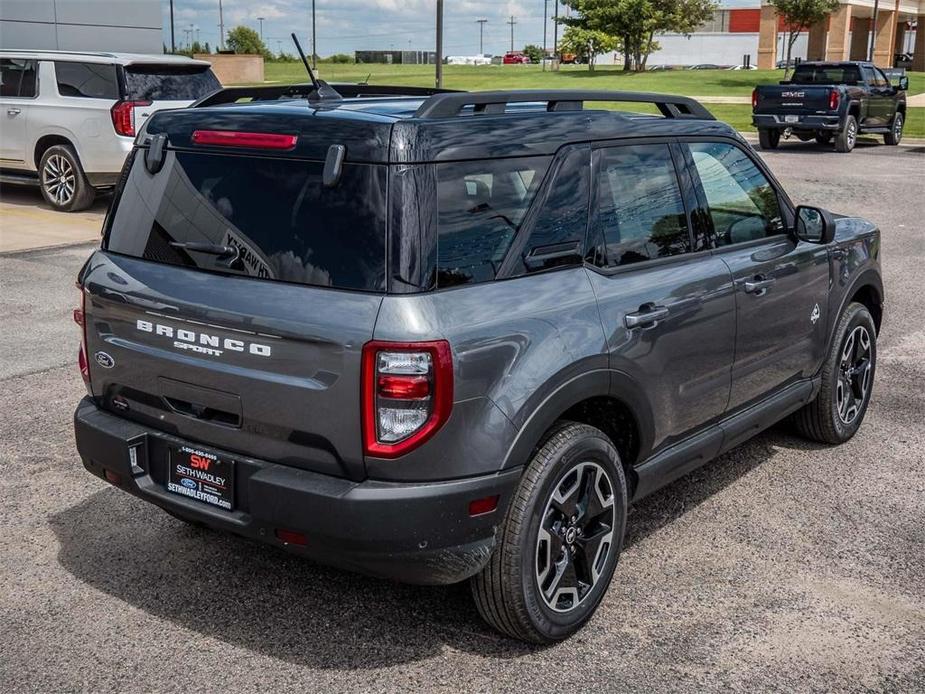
x,y
443,126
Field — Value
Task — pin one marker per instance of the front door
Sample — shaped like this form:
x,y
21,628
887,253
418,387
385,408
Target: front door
x,y
17,90
668,311
781,284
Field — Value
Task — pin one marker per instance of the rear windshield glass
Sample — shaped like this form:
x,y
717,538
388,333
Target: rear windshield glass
x,y
154,82
263,217
481,207
833,74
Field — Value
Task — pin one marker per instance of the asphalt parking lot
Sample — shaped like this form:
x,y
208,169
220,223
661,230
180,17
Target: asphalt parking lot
x,y
782,566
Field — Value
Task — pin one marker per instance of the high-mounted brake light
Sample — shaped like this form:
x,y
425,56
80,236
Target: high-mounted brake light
x,y
237,138
407,394
754,98
834,98
123,116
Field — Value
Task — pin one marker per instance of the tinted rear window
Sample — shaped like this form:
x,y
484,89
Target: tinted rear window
x,y
481,207
833,74
87,80
181,83
273,215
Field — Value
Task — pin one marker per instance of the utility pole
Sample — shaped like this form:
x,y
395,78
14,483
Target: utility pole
x,y
512,22
314,37
260,19
545,15
873,32
555,32
221,26
481,23
189,39
439,65
173,41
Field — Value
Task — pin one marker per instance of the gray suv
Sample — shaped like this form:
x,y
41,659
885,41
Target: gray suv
x,y
448,336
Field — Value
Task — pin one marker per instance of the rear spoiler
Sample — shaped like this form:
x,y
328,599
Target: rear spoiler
x,y
230,95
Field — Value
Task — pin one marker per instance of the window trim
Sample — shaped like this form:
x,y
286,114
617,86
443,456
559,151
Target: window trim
x,y
38,64
596,229
783,201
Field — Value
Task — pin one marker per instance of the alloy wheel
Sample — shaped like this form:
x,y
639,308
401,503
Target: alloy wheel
x,y
59,179
575,537
852,134
897,127
854,372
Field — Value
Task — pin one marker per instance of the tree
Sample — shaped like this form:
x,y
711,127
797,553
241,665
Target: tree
x,y
799,15
534,53
243,39
587,44
635,23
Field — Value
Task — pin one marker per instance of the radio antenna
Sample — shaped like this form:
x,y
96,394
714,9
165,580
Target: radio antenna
x,y
321,90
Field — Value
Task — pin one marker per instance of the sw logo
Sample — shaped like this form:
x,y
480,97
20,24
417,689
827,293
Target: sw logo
x,y
814,316
198,462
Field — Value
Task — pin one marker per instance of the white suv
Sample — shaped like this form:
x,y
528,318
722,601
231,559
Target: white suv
x,y
69,119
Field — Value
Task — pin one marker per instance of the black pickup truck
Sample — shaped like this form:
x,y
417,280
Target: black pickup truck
x,y
825,100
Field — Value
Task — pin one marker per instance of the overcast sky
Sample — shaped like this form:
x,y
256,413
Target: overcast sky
x,y
344,26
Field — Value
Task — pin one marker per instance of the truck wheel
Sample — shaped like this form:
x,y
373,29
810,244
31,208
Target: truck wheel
x,y
896,130
64,185
823,137
847,381
847,136
560,541
768,139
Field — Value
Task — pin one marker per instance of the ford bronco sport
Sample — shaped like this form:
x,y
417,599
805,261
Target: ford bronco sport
x,y
448,336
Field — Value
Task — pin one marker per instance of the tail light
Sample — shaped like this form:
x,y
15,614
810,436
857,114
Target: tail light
x,y
754,98
80,317
407,394
123,116
834,98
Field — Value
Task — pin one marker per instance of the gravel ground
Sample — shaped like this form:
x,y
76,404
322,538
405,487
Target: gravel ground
x,y
781,566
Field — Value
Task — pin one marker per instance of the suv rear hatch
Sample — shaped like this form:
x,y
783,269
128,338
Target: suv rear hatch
x,y
255,350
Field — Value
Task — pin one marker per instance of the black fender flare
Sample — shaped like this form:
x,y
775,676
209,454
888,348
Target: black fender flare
x,y
869,277
590,384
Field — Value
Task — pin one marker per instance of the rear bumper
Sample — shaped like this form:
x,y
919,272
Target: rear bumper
x,y
776,122
410,532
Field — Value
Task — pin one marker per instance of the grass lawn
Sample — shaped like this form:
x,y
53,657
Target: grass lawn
x,y
689,82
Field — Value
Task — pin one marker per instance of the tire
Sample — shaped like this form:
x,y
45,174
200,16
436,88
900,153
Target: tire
x,y
540,533
895,136
62,180
768,139
824,137
832,417
847,136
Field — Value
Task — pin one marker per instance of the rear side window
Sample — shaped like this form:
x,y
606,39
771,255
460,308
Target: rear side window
x,y
640,209
169,83
481,206
87,80
741,201
17,78
257,216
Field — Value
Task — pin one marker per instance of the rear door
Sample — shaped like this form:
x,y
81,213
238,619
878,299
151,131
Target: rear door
x,y
666,304
781,284
255,350
18,85
156,86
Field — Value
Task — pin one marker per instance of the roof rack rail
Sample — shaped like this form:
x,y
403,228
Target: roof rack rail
x,y
449,105
275,92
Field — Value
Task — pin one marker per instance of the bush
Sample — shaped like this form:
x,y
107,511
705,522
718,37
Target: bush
x,y
535,53
339,58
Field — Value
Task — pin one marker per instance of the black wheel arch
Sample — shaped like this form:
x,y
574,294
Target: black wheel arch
x,y
866,289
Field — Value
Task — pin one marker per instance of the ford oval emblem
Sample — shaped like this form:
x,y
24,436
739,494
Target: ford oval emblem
x,y
188,483
104,360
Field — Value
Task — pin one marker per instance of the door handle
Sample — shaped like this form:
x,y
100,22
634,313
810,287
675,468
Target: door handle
x,y
13,111
759,284
647,316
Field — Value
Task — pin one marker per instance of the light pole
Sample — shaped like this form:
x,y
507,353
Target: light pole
x,y
173,41
314,45
481,23
545,15
221,26
439,65
260,19
512,22
873,32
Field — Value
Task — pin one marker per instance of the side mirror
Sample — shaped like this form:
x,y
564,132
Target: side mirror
x,y
814,225
903,84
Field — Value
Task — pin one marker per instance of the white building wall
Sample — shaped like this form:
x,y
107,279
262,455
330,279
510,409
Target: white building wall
x,y
708,47
82,25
